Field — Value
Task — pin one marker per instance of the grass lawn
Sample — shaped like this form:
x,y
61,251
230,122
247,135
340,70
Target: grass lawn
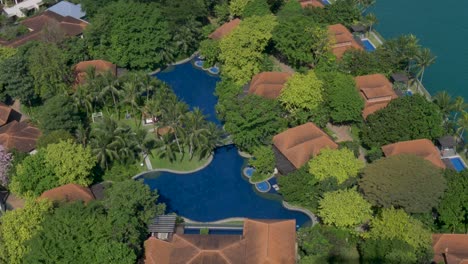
x,y
184,164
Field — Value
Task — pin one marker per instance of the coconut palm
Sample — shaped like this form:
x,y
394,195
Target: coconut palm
x,y
444,101
131,94
111,86
195,130
83,99
172,116
459,106
462,124
424,59
166,147
371,20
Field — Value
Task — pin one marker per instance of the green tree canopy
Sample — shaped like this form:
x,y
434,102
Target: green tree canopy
x,y
237,7
340,164
392,251
16,80
404,180
344,102
453,208
241,51
256,8
50,78
209,48
137,41
344,208
59,113
405,118
75,233
53,137
250,126
263,162
396,224
71,162
18,226
302,92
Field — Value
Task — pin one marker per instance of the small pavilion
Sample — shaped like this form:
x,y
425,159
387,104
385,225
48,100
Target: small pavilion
x,y
268,84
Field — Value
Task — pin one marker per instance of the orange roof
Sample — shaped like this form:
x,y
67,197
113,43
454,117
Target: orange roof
x,y
69,25
299,144
263,241
342,40
69,192
313,3
377,92
423,148
453,246
99,66
268,84
225,29
4,113
19,135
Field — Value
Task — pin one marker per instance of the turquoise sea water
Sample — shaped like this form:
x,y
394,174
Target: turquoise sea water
x,y
441,26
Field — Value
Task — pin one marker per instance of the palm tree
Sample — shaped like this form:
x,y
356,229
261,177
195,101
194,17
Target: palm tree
x,y
459,106
131,94
444,101
371,20
111,86
424,59
83,99
172,116
166,147
195,128
462,124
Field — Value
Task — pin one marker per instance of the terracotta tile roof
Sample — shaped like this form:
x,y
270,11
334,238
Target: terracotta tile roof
x,y
423,148
453,246
69,193
268,84
225,29
342,40
5,112
377,92
19,135
263,241
299,144
100,67
70,26
313,3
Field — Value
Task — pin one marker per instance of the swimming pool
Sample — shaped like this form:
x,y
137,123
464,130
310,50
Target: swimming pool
x,y
457,163
219,190
367,44
326,2
263,186
248,171
199,63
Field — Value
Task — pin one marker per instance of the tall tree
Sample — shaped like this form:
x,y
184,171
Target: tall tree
x,y
424,59
453,208
16,79
302,92
241,51
371,20
403,181
340,164
59,113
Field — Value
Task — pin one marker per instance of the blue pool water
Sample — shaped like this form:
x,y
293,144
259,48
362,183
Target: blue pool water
x,y
196,231
218,191
367,45
457,163
193,86
326,2
248,171
263,186
199,63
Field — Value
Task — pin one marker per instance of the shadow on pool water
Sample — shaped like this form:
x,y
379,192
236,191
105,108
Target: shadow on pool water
x,y
218,191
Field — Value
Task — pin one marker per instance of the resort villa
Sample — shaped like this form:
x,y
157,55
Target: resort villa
x,y
294,147
262,241
69,193
377,92
341,40
225,29
423,148
450,248
19,8
312,3
268,84
19,135
40,25
98,66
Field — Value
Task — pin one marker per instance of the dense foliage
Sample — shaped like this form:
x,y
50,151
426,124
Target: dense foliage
x,y
403,181
340,164
344,208
302,92
406,118
263,161
453,208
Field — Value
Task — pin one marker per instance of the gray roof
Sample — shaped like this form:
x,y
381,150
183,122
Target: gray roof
x,y
447,141
65,8
400,77
162,224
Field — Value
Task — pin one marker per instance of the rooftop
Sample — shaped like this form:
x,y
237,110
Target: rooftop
x,y
162,224
268,84
19,135
69,193
423,148
342,40
68,25
99,67
225,29
65,8
313,3
377,92
453,246
263,241
299,144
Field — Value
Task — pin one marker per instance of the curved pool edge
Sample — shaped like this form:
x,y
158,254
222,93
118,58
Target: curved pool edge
x,y
210,159
311,215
